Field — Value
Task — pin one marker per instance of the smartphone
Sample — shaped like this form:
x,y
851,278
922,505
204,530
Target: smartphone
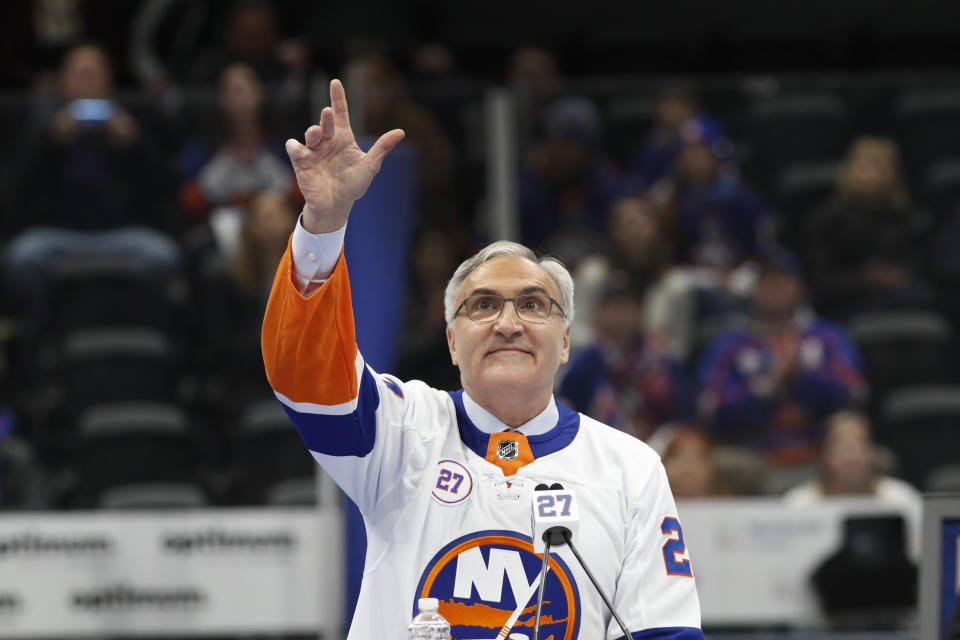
x,y
91,110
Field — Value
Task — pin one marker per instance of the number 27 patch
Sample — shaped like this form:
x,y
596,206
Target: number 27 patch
x,y
673,548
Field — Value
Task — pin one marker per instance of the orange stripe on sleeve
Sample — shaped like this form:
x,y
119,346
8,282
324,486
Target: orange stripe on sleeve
x,y
309,344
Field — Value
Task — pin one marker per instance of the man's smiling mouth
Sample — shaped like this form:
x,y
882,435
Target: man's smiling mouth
x,y
508,350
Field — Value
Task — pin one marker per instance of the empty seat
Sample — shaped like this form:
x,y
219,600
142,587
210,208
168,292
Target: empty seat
x,y
96,290
153,496
112,364
922,425
928,127
122,444
267,450
627,122
800,127
943,479
902,348
295,492
941,186
800,187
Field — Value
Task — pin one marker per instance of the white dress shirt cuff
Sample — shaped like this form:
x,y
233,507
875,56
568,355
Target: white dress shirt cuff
x,y
314,255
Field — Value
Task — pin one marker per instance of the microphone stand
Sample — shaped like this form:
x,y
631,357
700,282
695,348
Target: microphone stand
x,y
569,540
561,535
543,584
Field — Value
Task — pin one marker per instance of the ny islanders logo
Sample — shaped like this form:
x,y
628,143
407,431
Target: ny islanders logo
x,y
487,584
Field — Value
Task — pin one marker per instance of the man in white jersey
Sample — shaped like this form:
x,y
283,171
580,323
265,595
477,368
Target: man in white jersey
x,y
445,480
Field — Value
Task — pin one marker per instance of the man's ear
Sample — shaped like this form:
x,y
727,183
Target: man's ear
x,y
452,345
565,351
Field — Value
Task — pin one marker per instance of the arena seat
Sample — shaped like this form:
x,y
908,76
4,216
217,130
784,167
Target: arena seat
x,y
928,128
943,479
153,496
922,424
800,187
903,347
627,119
91,291
111,364
268,450
120,444
795,127
293,492
941,186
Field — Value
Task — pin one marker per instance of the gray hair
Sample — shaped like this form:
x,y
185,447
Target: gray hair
x,y
554,268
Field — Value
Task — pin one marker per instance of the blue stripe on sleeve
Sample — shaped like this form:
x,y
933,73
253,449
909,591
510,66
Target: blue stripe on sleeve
x,y
352,434
667,633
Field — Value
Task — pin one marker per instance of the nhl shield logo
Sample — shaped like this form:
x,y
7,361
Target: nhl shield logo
x,y
507,449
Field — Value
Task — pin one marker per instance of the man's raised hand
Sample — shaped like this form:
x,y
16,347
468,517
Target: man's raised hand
x,y
331,169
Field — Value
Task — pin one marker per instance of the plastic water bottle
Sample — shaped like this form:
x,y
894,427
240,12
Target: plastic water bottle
x,y
428,625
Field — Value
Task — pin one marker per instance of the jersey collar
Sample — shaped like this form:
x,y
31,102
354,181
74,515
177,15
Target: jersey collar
x,y
489,423
561,426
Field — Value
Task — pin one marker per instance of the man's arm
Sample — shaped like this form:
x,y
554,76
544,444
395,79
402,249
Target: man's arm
x,y
308,338
656,593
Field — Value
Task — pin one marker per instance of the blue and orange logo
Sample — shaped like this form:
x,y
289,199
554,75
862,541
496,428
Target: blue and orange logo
x,y
391,384
487,583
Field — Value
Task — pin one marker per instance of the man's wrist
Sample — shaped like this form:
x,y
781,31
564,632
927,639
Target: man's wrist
x,y
314,255
323,221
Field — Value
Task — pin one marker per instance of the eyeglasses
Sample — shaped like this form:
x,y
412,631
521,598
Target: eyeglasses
x,y
487,307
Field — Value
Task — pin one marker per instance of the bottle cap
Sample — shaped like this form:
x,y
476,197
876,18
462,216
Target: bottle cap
x,y
428,604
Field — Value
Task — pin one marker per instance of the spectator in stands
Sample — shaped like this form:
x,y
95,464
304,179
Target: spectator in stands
x,y
567,185
769,386
232,301
534,68
690,465
266,229
223,174
534,74
864,247
675,108
638,246
721,229
625,377
718,223
252,38
432,61
422,351
849,466
90,185
387,106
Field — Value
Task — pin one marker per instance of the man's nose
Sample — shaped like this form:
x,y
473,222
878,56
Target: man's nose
x,y
509,322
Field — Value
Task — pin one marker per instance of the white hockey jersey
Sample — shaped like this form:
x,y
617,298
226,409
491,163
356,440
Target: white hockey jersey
x,y
447,506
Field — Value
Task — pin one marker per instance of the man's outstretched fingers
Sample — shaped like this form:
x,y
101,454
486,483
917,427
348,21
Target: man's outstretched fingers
x,y
317,133
338,99
328,122
314,136
385,144
295,150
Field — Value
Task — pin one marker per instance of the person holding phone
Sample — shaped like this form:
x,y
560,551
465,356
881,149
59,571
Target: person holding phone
x,y
89,184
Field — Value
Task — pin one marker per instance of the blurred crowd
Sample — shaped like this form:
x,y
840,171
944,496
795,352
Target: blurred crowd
x,y
764,286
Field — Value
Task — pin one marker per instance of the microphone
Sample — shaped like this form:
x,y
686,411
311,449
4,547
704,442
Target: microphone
x,y
556,518
555,515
